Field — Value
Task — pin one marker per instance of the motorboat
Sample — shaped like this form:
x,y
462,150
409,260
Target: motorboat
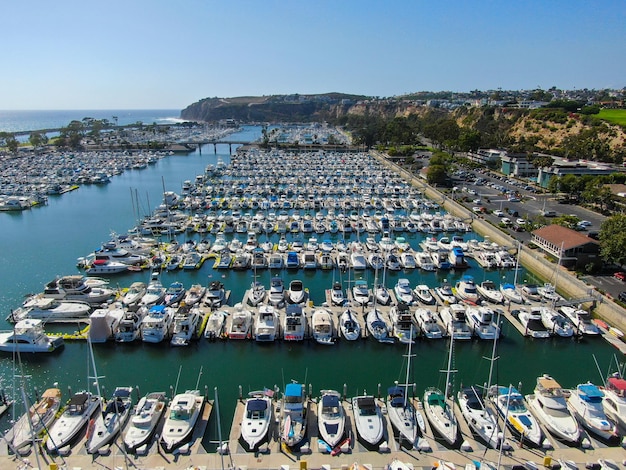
x,y
325,261
556,323
478,417
511,407
106,267
276,294
614,401
381,294
337,294
276,261
530,292
440,259
549,404
368,419
548,293
466,289
408,260
457,258
266,326
455,321
28,336
155,292
349,326
585,403
225,260
241,323
293,260
185,326
425,261
309,260
215,296
581,321
107,425
482,321
377,326
358,260
392,262
156,325
79,410
257,417
360,292
402,325
215,325
50,310
331,418
36,420
376,261
256,293
423,294
174,293
403,291
134,294
129,327
195,294
343,261
184,410
511,293
427,323
296,294
532,323
322,327
76,287
294,323
294,415
487,290
144,420
445,293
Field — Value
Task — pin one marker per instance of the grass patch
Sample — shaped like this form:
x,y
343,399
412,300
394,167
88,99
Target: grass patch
x,y
614,116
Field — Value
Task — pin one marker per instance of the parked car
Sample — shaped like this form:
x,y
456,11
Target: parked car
x,y
622,296
621,275
498,213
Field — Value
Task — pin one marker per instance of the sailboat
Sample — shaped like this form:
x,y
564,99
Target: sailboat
x,y
37,419
405,419
331,417
439,408
113,418
81,407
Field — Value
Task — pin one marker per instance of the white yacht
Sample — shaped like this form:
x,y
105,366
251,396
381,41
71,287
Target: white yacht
x,y
331,418
455,322
266,326
511,407
466,289
349,325
76,287
296,294
428,324
240,323
215,296
215,325
185,326
368,419
445,293
257,417
402,325
144,420
581,320
585,403
532,323
50,310
483,322
276,294
184,411
549,404
403,291
134,294
511,293
28,336
294,323
155,292
360,292
79,410
614,402
337,294
112,420
294,415
322,326
423,294
487,290
556,323
129,327
478,417
156,325
194,294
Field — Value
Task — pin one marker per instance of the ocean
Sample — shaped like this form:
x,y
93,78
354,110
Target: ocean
x,y
31,120
45,242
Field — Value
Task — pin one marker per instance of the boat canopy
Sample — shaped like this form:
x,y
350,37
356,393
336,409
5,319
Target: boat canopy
x,y
257,404
435,399
617,384
590,393
157,309
293,390
330,401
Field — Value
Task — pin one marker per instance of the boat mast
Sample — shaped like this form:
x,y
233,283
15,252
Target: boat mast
x,y
448,371
408,366
519,249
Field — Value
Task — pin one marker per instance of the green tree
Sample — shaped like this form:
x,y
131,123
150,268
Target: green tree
x,y
8,140
436,174
613,239
37,139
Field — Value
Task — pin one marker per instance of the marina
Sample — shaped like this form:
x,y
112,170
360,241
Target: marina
x,y
353,367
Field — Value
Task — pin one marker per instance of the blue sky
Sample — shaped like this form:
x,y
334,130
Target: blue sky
x,y
133,54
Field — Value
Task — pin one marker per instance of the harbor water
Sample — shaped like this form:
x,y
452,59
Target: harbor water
x,y
38,244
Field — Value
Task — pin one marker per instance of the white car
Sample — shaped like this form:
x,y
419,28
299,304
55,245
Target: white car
x,y
520,222
585,223
498,213
506,221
